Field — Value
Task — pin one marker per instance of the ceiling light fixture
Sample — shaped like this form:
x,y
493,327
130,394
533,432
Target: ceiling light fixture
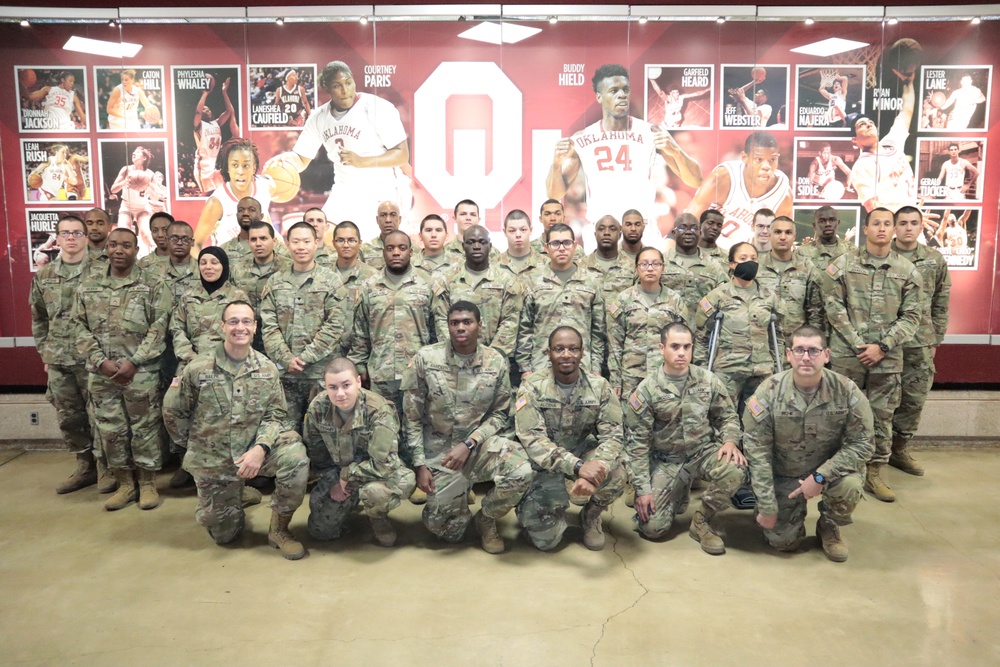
x,y
720,20
101,47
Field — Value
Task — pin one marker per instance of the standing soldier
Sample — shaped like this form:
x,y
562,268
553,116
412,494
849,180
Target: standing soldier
x,y
387,218
303,310
352,438
121,322
710,227
98,227
873,305
633,227
807,432
53,291
549,213
520,257
918,353
570,423
159,223
247,213
688,270
181,272
793,279
325,254
466,216
561,294
231,417
825,246
612,268
456,402
680,425
251,273
347,243
433,258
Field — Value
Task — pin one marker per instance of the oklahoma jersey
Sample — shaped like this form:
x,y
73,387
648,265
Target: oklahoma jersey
x,y
209,136
54,178
228,227
58,103
619,169
129,107
885,178
739,207
292,105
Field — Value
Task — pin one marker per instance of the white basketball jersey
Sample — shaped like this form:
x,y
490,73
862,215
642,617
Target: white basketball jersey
x,y
228,227
885,178
619,168
59,105
965,105
825,172
209,140
130,110
739,207
954,174
53,179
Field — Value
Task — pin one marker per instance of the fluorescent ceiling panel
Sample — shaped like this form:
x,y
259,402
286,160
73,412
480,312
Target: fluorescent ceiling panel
x,y
100,47
499,33
829,47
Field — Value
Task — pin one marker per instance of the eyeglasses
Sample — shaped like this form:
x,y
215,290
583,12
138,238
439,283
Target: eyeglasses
x,y
560,350
560,244
72,235
185,240
347,241
650,265
813,352
237,322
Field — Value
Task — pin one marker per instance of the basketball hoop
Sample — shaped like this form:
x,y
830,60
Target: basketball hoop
x,y
867,56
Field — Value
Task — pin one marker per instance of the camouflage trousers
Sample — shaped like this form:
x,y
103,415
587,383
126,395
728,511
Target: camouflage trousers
x,y
499,460
542,511
740,384
299,391
377,498
391,391
883,392
128,419
220,510
671,481
915,384
66,390
839,498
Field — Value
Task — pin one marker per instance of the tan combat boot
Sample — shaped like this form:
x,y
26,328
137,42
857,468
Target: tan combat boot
x,y
629,495
875,485
279,537
84,475
385,534
149,497
250,496
593,530
701,531
418,497
181,479
900,457
834,545
106,482
127,491
488,535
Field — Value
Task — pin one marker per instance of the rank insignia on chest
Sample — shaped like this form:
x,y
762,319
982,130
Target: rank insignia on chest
x,y
521,402
755,408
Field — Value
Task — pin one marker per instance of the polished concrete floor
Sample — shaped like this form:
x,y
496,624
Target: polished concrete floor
x,y
80,586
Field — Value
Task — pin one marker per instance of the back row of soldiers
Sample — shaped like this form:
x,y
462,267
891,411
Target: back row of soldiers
x,y
105,343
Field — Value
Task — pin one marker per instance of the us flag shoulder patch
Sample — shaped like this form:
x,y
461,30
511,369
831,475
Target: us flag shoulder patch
x,y
832,270
635,402
613,308
521,402
705,305
176,382
755,408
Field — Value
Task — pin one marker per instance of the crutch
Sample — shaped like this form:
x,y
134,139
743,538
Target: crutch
x,y
713,341
774,339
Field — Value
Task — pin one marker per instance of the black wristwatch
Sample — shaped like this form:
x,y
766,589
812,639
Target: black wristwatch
x,y
885,348
576,468
469,444
819,478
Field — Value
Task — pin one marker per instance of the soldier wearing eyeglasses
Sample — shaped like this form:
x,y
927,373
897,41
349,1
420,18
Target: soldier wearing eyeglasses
x,y
808,432
689,270
347,243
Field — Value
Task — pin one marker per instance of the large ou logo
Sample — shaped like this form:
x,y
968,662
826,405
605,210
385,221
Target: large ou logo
x,y
431,127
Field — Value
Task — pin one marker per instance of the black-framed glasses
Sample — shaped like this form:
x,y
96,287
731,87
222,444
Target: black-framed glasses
x,y
813,352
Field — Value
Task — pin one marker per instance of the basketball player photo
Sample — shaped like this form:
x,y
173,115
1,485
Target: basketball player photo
x,y
56,171
129,99
754,97
954,231
822,169
951,170
825,95
281,96
955,97
133,184
680,97
207,112
52,99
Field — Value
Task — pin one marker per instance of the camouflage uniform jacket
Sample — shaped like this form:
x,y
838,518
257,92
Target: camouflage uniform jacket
x,y
745,336
153,261
392,322
367,446
935,290
303,316
353,277
548,304
821,255
556,432
870,300
716,253
534,262
797,287
693,282
238,250
252,277
53,293
224,408
499,296
456,249
121,318
177,277
196,320
447,400
616,279
634,331
663,424
371,253
786,437
438,264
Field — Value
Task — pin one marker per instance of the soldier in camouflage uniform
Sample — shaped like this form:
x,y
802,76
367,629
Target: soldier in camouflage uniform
x,y
496,293
98,227
159,223
635,318
873,306
466,216
251,273
53,291
561,294
520,257
303,311
121,321
793,279
352,438
710,224
745,355
918,353
687,270
807,432
387,218
633,227
825,245
326,254
612,269
456,403
231,418
347,243
681,425
549,213
247,213
432,257
181,272
570,423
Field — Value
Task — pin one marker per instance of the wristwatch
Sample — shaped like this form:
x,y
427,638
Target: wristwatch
x,y
469,444
885,348
819,478
576,468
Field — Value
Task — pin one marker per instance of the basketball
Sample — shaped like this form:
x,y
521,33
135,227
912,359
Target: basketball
x,y
904,57
286,182
833,191
938,98
28,78
151,115
758,74
653,73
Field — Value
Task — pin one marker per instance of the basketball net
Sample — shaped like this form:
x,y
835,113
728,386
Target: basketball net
x,y
867,56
